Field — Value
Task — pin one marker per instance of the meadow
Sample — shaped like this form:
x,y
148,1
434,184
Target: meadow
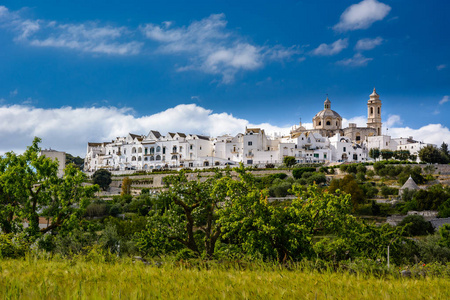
x,y
32,278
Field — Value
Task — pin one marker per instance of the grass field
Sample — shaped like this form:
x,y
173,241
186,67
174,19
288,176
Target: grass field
x,y
57,279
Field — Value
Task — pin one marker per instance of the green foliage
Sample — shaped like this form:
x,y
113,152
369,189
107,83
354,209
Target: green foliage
x,y
444,233
349,186
12,246
431,154
386,154
102,177
416,225
374,153
402,154
298,172
77,161
386,191
289,161
126,186
432,198
29,184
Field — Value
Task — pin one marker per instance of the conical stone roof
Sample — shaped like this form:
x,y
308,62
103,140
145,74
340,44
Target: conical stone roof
x,y
410,185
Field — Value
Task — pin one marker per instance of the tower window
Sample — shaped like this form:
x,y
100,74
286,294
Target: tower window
x,y
378,110
320,123
371,110
328,123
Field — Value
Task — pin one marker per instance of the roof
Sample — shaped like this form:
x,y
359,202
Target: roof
x,y
156,133
95,144
202,137
374,93
327,113
410,185
181,134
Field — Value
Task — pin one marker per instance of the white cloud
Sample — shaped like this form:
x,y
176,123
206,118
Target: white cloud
x,y
368,44
70,129
444,99
331,49
85,37
432,133
360,121
358,60
441,67
392,120
214,49
362,15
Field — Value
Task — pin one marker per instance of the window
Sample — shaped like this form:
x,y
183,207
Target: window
x,y
139,158
152,150
371,110
158,149
358,138
324,155
152,157
190,147
328,123
200,147
344,149
320,123
181,148
146,151
174,149
316,155
158,157
378,110
250,143
164,150
174,157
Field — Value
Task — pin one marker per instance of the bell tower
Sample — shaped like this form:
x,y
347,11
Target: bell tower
x,y
374,112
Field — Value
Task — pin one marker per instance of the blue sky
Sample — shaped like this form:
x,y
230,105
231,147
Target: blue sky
x,y
77,71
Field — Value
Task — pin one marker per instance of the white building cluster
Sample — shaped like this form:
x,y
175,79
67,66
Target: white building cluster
x,y
326,142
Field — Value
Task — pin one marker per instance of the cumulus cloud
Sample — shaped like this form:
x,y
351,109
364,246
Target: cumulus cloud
x,y
393,120
358,60
331,49
86,37
70,129
362,15
368,44
214,49
444,99
432,133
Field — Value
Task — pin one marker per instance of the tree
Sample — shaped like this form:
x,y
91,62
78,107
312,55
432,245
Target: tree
x,y
386,154
77,161
430,154
289,161
416,225
102,177
190,221
374,153
348,185
402,154
126,186
445,153
30,187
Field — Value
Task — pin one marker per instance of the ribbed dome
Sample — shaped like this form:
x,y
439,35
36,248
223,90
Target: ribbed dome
x,y
327,113
374,93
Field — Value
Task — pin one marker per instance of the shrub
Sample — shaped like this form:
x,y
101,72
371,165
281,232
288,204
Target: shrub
x,y
298,172
11,246
417,225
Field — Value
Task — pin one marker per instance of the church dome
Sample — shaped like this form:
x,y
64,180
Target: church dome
x,y
327,118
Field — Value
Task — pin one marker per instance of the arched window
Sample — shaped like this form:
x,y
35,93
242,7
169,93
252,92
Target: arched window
x,y
328,123
145,158
133,158
145,167
320,123
139,158
217,163
206,164
174,149
378,110
158,157
139,150
371,110
158,149
152,158
152,150
337,124
174,157
133,150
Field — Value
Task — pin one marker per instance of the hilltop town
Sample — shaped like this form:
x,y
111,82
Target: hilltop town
x,y
326,142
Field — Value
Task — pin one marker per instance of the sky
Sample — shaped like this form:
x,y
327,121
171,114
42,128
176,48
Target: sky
x,y
73,72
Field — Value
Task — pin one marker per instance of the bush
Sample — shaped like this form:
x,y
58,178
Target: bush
x,y
417,225
11,246
298,172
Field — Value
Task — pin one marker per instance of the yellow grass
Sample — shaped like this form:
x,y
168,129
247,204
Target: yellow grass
x,y
41,279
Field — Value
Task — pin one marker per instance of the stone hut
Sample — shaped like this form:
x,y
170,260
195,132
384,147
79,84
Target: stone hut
x,y
410,185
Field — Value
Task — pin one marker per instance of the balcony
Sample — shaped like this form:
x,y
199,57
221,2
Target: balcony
x,y
249,155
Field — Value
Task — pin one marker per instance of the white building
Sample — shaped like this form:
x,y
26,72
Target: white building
x,y
326,142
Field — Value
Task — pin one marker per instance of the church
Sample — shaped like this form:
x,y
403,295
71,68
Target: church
x,y
326,142
328,123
